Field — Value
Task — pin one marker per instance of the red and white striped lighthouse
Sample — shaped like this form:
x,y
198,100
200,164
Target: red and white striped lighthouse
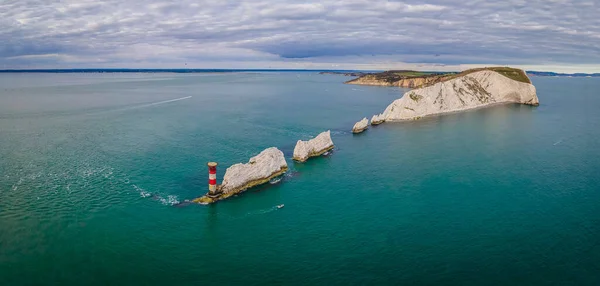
x,y
212,178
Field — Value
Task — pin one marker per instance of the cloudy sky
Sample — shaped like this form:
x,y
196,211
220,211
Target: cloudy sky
x,y
559,35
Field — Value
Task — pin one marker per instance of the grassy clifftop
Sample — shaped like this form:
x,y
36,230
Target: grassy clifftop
x,y
401,78
416,79
512,73
396,75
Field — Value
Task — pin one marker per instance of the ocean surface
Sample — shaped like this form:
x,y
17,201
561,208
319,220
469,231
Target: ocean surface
x,y
95,170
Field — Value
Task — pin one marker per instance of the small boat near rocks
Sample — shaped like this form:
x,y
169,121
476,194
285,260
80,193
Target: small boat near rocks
x,y
275,180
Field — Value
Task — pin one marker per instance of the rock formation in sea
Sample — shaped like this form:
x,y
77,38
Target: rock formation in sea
x,y
361,126
313,147
467,90
377,119
407,79
261,168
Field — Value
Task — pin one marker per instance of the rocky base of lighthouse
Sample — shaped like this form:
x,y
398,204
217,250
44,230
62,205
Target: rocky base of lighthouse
x,y
261,168
207,199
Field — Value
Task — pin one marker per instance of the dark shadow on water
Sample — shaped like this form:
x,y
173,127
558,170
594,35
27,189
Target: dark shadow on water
x,y
361,133
182,204
313,160
335,132
288,150
195,185
459,115
290,174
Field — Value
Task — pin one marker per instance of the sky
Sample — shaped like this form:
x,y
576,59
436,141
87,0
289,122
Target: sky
x,y
547,35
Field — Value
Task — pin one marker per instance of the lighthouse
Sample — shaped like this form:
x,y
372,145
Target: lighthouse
x,y
212,178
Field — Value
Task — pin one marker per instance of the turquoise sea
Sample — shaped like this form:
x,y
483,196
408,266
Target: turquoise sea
x,y
95,168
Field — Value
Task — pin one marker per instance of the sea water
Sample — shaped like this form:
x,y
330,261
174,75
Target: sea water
x,y
95,170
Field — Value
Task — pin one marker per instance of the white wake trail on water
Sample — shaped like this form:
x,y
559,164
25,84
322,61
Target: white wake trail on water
x,y
262,211
140,106
163,102
153,103
251,213
339,132
167,200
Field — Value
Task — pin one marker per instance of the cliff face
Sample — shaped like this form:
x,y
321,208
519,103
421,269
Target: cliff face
x,y
314,147
264,166
462,92
407,79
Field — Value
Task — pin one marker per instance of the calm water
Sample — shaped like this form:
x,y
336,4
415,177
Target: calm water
x,y
93,167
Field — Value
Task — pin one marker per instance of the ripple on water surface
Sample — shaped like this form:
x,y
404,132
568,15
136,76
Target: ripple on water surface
x,y
90,174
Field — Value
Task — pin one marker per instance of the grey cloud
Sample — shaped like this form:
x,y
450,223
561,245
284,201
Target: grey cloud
x,y
415,31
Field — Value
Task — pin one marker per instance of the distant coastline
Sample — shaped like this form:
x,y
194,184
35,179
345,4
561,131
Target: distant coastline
x,y
321,71
170,70
532,73
538,73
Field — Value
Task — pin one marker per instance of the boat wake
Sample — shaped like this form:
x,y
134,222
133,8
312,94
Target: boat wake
x,y
275,180
167,200
290,174
153,103
263,211
163,102
138,106
339,132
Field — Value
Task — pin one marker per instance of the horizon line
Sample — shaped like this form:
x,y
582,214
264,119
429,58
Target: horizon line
x,y
220,70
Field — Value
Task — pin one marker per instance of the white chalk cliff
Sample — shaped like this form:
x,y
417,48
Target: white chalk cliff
x,y
261,168
472,90
361,126
313,147
377,119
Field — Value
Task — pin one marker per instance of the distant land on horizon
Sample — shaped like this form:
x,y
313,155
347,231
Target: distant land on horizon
x,y
327,71
539,73
126,70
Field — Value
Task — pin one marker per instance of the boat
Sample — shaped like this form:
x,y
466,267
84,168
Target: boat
x,y
280,206
275,180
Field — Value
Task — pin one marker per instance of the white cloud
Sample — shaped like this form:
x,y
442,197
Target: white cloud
x,y
423,8
157,33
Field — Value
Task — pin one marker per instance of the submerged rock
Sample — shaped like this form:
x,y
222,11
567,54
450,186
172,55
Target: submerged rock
x,y
377,119
468,90
361,126
261,168
313,147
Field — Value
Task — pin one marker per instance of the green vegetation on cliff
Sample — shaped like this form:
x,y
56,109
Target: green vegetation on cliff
x,y
396,75
416,79
512,73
